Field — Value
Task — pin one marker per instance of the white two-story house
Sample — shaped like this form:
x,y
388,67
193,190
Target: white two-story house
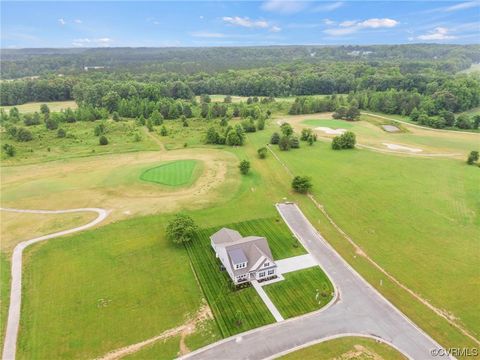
x,y
244,258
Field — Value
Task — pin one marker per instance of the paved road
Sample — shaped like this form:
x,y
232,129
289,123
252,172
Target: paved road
x,y
10,344
357,310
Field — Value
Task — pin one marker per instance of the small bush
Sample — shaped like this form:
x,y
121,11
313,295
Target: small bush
x,y
345,141
103,140
262,152
9,149
61,133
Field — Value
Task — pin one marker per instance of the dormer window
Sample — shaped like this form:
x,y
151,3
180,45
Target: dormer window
x,y
266,264
241,265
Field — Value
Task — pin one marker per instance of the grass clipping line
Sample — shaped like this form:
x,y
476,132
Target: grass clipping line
x,y
184,330
362,253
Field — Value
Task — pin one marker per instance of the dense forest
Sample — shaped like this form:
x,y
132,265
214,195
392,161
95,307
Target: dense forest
x,y
18,63
401,79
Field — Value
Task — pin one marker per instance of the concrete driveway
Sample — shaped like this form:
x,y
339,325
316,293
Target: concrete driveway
x,y
358,310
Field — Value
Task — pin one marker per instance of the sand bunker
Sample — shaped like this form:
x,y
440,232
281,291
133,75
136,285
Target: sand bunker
x,y
331,131
402,148
390,128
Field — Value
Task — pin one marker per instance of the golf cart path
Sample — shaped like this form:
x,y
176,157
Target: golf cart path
x,y
358,309
420,126
13,321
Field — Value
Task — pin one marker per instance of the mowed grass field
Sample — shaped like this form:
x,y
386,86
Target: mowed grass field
x,y
301,292
175,173
346,348
35,106
103,289
417,218
238,310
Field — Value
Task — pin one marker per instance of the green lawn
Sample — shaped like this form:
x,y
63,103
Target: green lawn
x,y
301,292
175,173
346,348
103,289
229,305
331,123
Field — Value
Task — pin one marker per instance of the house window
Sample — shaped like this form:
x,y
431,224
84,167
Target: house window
x,y
241,266
271,272
262,274
266,264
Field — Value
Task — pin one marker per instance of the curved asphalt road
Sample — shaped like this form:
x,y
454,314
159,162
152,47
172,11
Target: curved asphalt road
x,y
359,309
10,344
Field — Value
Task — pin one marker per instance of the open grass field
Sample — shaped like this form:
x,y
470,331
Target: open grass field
x,y
418,218
35,106
346,348
301,292
176,173
102,289
238,310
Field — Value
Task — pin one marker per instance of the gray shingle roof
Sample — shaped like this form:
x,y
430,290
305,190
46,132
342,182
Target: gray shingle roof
x,y
225,235
237,256
237,247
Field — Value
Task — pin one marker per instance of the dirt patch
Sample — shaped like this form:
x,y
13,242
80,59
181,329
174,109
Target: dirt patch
x,y
359,352
184,330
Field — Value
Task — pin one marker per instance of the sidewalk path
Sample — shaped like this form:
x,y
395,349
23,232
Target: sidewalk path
x,y
273,309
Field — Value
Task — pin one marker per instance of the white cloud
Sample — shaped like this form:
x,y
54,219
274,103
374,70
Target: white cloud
x,y
206,34
275,28
456,7
378,23
245,22
329,22
348,23
329,7
77,21
201,17
155,22
283,7
439,33
352,26
98,42
62,21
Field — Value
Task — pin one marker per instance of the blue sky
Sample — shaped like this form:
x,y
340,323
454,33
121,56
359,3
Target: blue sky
x,y
236,23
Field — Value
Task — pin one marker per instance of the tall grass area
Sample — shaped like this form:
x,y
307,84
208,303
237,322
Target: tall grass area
x,y
417,218
238,310
80,141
